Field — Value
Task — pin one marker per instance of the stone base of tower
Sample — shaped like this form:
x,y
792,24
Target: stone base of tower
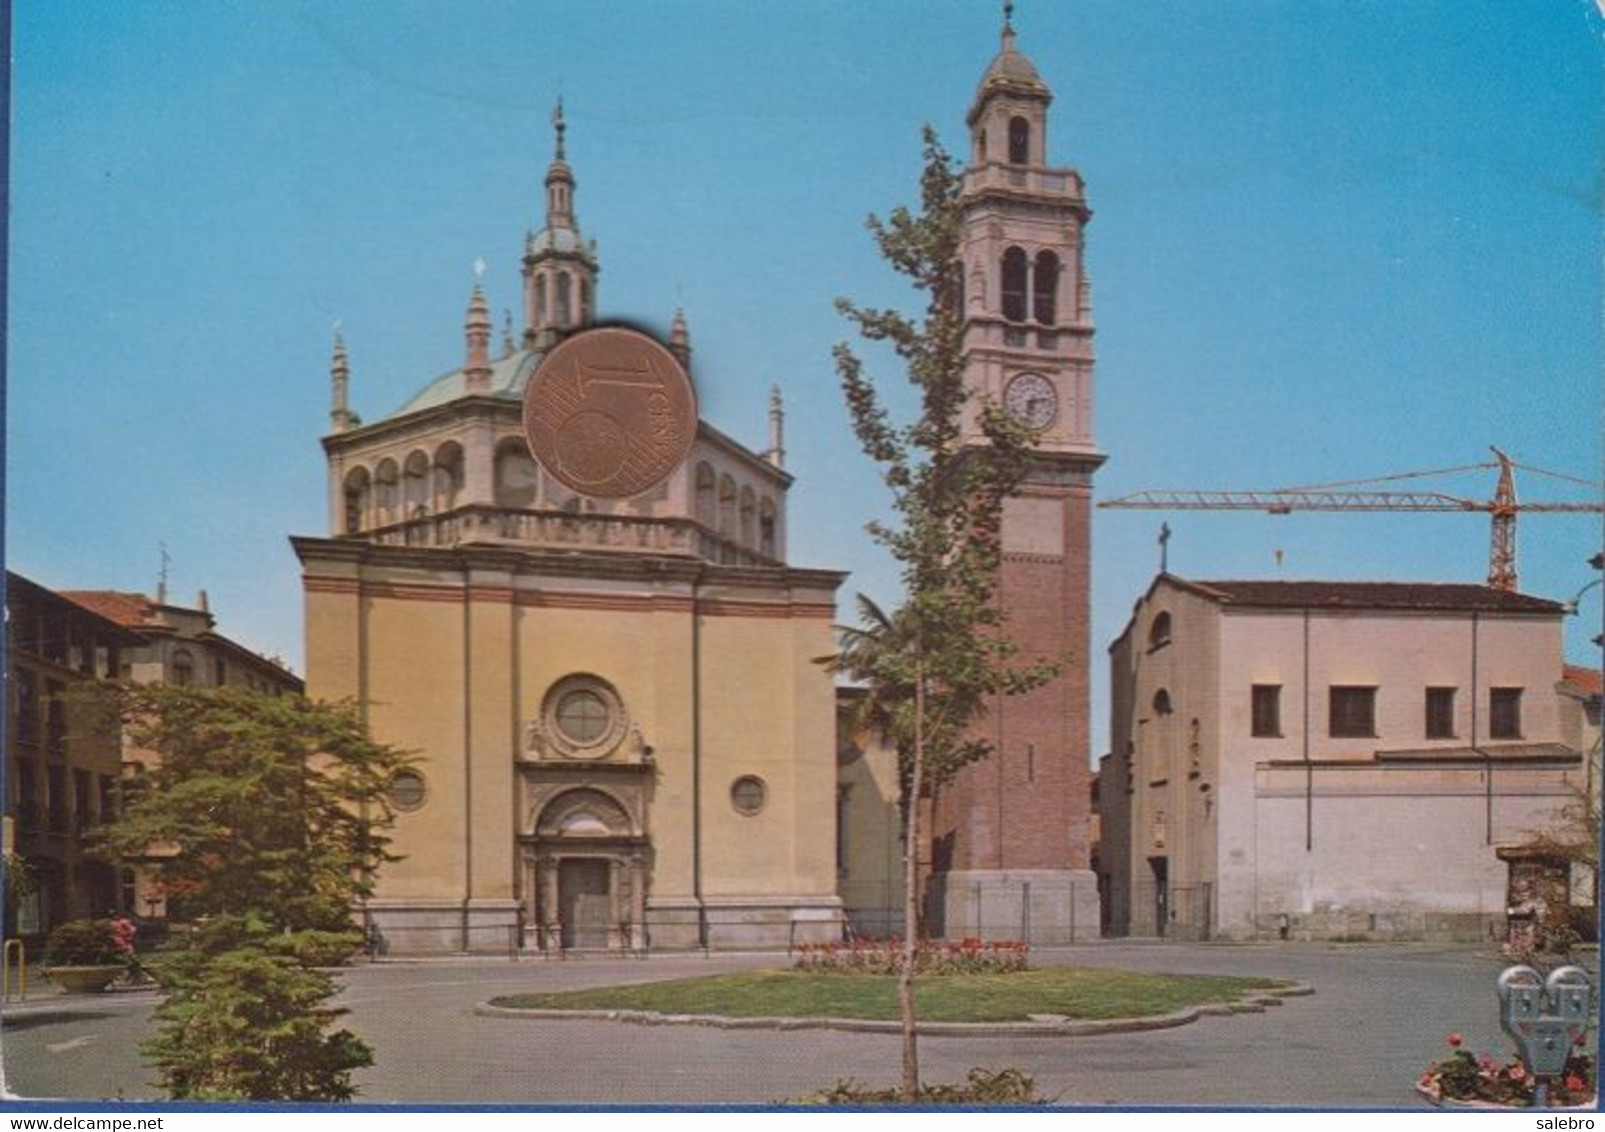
x,y
1044,907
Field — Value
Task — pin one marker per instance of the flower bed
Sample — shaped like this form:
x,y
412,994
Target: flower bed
x,y
1466,1077
931,957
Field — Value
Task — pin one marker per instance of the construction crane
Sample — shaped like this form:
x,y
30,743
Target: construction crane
x,y
1354,495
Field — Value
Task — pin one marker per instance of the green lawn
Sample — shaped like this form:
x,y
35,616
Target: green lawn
x,y
1077,993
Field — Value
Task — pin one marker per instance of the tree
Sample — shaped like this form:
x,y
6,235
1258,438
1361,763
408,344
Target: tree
x,y
265,816
933,664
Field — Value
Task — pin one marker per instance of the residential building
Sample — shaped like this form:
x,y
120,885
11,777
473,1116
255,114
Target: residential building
x,y
177,645
1333,760
63,759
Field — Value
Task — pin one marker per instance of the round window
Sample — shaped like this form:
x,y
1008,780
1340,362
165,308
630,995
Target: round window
x,y
583,717
747,795
407,790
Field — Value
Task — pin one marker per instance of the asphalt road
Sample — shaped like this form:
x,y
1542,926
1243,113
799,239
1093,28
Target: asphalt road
x,y
1378,1016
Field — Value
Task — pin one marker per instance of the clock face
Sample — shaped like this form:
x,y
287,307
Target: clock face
x,y
1032,400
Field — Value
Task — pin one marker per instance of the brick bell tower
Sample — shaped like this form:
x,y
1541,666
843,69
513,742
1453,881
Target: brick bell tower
x,y
1010,849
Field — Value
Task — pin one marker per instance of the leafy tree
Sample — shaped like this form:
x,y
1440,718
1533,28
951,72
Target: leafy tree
x,y
933,664
265,806
266,816
250,1026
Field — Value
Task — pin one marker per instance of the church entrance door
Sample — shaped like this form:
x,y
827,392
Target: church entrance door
x,y
584,901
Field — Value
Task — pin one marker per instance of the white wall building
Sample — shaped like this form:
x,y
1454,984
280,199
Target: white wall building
x,y
1329,760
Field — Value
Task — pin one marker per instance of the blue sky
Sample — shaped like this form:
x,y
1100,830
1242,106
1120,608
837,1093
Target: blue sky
x,y
1331,240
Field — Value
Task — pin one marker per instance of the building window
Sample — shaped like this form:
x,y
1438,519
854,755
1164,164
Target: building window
x,y
1352,712
56,803
55,717
1159,631
407,790
108,797
766,529
747,795
1266,711
183,669
27,706
1019,141
1504,713
27,794
1045,288
584,717
1440,713
1162,703
1014,284
83,815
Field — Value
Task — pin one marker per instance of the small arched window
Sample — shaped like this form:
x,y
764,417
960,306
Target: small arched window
x,y
563,299
183,669
727,507
387,491
749,511
1162,702
1159,631
415,482
766,529
516,475
585,301
1019,141
356,499
540,299
448,475
1045,288
705,509
1014,277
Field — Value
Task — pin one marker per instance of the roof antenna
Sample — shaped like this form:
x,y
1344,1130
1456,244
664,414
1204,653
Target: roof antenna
x,y
161,577
1164,548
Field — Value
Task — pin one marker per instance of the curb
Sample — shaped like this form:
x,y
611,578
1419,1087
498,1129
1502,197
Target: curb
x,y
1041,1025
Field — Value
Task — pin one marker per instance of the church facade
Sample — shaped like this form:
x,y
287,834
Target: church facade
x,y
621,737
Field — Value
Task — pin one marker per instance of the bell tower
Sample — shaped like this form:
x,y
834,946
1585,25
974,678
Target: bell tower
x,y
560,266
1010,849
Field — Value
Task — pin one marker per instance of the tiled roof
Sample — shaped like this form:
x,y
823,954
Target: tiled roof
x,y
1585,680
130,609
1458,597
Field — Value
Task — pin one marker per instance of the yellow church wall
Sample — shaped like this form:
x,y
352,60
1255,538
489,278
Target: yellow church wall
x,y
415,690
492,738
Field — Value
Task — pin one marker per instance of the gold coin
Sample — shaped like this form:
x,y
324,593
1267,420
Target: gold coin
x,y
610,412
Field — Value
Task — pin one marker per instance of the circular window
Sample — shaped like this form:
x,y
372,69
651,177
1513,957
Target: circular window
x,y
407,790
747,795
584,717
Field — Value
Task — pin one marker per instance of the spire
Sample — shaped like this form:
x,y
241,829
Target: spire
x,y
559,266
341,417
508,345
477,333
777,428
680,339
559,179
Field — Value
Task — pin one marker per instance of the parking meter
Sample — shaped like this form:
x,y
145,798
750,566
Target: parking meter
x,y
1544,1017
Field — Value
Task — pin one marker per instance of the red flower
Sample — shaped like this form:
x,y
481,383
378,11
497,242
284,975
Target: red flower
x,y
1517,1072
1454,1039
1575,1084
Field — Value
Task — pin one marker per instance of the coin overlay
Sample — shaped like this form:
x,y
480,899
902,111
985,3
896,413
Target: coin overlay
x,y
609,413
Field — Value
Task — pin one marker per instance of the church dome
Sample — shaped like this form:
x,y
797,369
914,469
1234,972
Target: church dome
x,y
507,378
